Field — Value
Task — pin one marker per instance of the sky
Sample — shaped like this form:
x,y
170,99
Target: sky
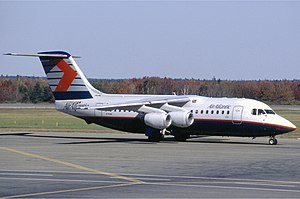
x,y
232,40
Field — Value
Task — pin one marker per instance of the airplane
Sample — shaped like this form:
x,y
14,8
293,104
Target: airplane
x,y
155,116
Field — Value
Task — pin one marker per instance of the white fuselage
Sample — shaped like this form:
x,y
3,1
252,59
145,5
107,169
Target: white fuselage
x,y
212,116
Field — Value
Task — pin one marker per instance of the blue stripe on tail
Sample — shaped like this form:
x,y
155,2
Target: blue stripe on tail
x,y
72,95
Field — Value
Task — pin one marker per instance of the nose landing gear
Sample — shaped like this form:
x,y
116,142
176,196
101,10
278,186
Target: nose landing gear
x,y
273,141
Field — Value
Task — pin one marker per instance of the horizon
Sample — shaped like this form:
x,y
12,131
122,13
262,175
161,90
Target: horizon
x,y
148,77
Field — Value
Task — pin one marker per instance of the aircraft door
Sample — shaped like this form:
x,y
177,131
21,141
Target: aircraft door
x,y
237,115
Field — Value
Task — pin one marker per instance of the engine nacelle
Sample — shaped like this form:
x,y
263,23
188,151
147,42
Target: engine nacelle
x,y
182,119
158,120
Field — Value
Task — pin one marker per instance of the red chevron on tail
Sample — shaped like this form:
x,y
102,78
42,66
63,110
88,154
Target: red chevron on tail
x,y
67,78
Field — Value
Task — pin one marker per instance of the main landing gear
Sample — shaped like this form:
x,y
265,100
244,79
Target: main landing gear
x,y
273,141
154,135
181,137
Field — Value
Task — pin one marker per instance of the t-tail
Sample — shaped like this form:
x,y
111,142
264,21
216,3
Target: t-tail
x,y
66,80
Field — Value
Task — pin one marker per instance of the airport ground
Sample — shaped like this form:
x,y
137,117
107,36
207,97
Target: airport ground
x,y
119,165
65,163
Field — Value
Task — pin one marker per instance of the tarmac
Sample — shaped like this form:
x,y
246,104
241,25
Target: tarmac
x,y
121,165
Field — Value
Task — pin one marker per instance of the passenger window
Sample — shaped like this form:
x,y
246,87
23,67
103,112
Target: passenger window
x,y
196,111
201,111
261,112
223,112
212,112
217,112
206,111
227,112
191,111
254,111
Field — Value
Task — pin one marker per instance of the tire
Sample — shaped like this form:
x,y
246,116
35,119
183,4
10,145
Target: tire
x,y
181,137
153,135
155,138
273,141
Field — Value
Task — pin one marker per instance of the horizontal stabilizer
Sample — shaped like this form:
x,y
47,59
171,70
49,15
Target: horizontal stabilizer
x,y
41,55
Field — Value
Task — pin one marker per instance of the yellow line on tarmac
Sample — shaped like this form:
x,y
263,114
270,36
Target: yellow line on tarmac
x,y
72,165
68,190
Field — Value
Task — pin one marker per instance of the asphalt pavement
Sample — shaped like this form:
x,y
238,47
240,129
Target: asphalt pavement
x,y
120,165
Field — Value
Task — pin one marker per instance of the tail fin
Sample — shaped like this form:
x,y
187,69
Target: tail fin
x,y
65,78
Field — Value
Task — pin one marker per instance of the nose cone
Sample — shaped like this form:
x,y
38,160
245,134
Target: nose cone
x,y
287,125
292,126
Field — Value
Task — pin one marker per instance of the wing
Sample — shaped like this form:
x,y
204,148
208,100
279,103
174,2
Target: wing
x,y
149,104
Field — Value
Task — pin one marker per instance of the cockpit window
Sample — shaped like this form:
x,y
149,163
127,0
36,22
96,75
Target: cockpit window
x,y
269,111
261,112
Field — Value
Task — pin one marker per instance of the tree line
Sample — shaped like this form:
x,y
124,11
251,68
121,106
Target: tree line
x,y
35,89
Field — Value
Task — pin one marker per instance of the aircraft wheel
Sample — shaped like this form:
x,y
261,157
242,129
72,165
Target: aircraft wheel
x,y
155,137
181,137
273,141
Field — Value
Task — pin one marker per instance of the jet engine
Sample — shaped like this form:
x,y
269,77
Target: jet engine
x,y
182,118
158,120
